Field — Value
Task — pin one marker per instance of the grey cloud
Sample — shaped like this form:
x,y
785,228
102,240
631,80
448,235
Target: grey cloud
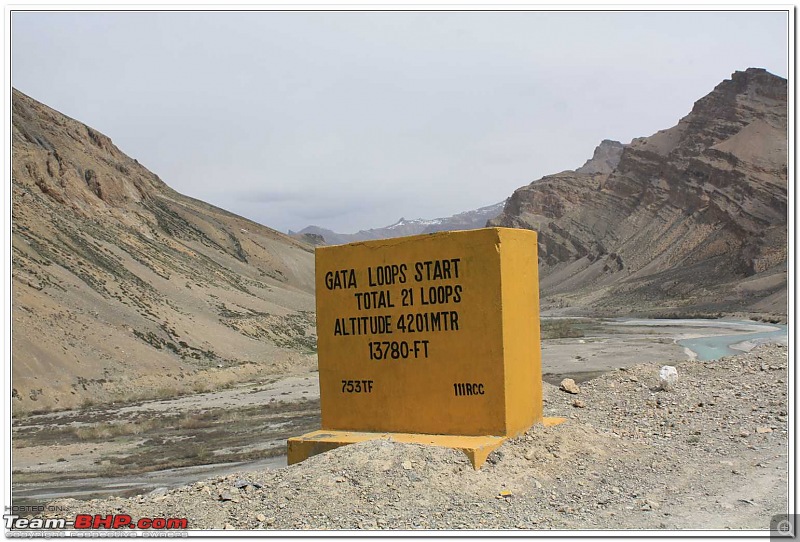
x,y
271,197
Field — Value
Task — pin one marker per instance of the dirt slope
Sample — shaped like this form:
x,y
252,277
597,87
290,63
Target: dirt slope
x,y
122,287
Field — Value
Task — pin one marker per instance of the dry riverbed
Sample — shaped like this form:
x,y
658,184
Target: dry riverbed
x,y
126,449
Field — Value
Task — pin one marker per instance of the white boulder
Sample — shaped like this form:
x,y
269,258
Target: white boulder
x,y
668,375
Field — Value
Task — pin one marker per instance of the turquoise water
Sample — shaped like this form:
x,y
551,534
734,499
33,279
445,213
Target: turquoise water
x,y
711,348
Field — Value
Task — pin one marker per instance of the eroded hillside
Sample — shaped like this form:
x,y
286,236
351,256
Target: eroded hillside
x,y
124,288
693,218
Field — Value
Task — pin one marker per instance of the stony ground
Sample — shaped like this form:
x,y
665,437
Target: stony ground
x,y
710,454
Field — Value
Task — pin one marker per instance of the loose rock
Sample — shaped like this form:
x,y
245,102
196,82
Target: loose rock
x,y
568,385
668,377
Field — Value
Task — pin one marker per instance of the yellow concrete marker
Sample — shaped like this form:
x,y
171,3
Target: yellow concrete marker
x,y
434,337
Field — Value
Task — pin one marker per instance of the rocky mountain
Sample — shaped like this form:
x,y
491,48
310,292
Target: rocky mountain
x,y
467,220
605,158
123,287
690,219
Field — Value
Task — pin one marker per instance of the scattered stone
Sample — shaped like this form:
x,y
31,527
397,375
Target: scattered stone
x,y
568,385
577,403
530,454
649,505
624,455
763,430
494,457
668,377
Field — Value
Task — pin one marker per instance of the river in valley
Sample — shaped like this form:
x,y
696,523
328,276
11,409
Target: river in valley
x,y
708,339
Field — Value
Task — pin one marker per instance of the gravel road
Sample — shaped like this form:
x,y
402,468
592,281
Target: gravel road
x,y
710,454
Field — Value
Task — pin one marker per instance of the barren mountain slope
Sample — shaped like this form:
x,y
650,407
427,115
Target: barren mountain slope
x,y
122,287
693,218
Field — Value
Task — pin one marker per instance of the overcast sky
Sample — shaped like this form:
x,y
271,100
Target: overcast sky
x,y
351,120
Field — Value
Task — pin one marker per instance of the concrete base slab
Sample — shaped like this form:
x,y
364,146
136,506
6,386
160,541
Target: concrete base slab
x,y
476,448
550,422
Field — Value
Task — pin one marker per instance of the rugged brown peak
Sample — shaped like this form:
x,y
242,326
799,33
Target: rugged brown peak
x,y
567,209
72,163
605,158
549,197
746,97
755,93
686,215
